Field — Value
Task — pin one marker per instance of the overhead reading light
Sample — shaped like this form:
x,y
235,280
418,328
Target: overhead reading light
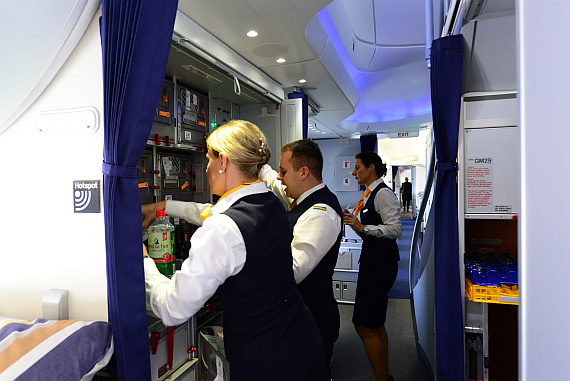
x,y
252,33
302,81
281,60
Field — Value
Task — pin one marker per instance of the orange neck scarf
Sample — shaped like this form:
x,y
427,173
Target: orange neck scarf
x,y
360,204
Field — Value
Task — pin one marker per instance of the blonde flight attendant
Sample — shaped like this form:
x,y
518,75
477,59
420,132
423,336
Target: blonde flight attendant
x,y
242,250
379,226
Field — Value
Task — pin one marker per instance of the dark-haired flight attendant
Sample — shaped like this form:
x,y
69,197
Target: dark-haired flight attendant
x,y
379,227
242,250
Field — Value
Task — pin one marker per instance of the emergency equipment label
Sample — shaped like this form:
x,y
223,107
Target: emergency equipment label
x,y
479,178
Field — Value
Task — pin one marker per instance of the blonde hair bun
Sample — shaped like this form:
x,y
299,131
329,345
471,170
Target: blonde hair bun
x,y
244,145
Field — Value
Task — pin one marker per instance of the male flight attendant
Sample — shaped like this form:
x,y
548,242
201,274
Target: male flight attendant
x,y
315,220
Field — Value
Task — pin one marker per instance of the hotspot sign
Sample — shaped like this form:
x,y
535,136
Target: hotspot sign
x,y
86,196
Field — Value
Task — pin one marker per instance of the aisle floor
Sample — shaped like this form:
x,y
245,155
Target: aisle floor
x,y
350,362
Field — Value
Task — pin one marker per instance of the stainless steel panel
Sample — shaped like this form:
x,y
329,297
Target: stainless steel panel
x,y
212,359
346,275
159,360
336,289
348,291
344,260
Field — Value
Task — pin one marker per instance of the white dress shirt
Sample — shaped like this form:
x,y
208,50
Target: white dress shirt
x,y
269,177
187,210
314,233
388,207
217,252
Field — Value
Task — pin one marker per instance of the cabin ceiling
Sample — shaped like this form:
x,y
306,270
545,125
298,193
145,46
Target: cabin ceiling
x,y
363,60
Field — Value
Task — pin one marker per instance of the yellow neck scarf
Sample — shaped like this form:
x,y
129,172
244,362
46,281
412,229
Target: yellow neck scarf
x,y
208,211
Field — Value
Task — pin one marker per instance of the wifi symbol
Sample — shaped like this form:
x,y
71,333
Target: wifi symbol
x,y
81,200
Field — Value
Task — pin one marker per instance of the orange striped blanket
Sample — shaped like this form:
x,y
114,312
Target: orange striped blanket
x,y
52,349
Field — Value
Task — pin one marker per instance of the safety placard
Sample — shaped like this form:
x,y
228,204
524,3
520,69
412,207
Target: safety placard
x,y
492,170
479,178
343,179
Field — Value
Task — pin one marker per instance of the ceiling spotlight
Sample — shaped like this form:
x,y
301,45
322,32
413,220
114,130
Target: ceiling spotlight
x,y
302,80
252,33
281,60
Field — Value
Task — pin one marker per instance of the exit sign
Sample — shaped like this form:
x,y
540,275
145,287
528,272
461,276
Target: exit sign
x,y
405,133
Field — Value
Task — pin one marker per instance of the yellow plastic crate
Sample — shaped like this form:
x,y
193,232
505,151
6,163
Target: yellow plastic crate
x,y
506,294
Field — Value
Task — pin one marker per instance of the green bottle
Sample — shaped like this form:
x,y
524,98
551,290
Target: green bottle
x,y
161,244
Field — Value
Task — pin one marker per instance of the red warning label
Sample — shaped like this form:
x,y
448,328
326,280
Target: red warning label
x,y
479,179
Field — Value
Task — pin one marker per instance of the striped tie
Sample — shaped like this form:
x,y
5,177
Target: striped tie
x,y
360,204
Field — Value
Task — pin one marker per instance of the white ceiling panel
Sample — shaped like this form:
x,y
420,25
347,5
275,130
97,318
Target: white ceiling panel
x,y
400,22
327,88
267,7
229,21
330,120
316,35
290,74
391,57
498,6
399,93
360,52
360,16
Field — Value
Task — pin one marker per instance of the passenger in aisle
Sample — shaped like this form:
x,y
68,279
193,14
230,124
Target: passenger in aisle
x,y
379,227
406,192
315,221
242,250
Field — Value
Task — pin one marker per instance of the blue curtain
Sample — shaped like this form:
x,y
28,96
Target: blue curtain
x,y
135,38
368,142
446,77
394,173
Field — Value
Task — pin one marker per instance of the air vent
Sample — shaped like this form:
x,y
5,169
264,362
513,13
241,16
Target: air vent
x,y
193,69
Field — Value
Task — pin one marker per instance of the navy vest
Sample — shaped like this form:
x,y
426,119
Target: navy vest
x,y
316,288
265,320
376,249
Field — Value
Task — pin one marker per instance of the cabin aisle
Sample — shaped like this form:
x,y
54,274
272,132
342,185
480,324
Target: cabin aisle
x,y
350,362
401,288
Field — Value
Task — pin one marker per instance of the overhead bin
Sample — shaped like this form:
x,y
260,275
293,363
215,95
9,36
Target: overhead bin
x,y
193,38
192,70
329,57
374,37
